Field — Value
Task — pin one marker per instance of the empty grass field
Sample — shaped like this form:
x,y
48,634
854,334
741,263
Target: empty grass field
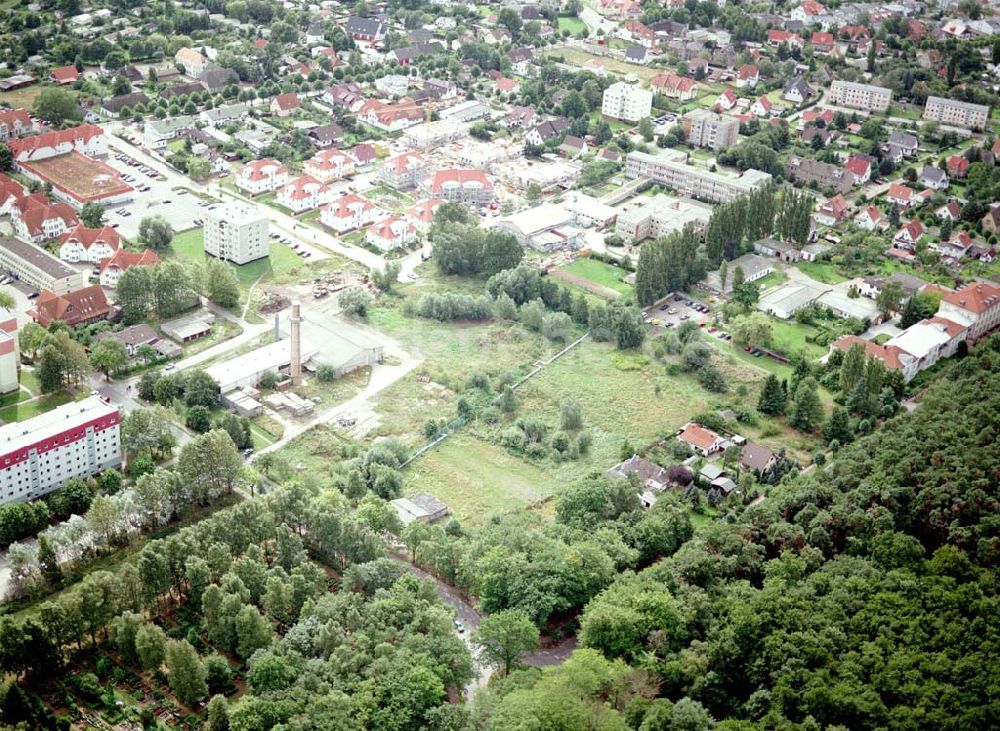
x,y
478,479
572,24
600,274
34,407
822,271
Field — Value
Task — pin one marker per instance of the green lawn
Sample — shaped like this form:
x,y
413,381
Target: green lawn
x,y
790,337
822,271
572,24
478,479
771,280
28,409
578,57
601,274
189,245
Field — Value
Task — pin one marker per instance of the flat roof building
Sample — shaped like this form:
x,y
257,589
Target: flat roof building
x,y
670,169
236,232
860,96
421,508
661,215
38,268
246,370
41,454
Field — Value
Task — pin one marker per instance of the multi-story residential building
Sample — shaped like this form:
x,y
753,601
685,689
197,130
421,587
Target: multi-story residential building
x,y
328,165
303,194
9,355
460,186
236,232
669,169
422,213
976,305
860,96
80,307
954,112
390,233
659,216
628,102
262,176
15,123
38,268
89,244
36,220
405,170
76,440
87,139
805,170
703,128
114,266
349,212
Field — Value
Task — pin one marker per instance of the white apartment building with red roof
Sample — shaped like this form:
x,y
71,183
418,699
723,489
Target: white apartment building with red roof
x,y
303,194
405,170
89,244
87,139
262,176
15,123
329,165
390,233
422,213
349,212
460,186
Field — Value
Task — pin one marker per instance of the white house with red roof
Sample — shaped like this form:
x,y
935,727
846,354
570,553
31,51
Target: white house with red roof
x,y
422,214
860,168
957,166
637,32
262,176
405,170
747,77
64,75
303,194
949,211
15,123
811,12
460,186
832,211
704,441
908,235
976,305
89,244
761,107
115,265
391,117
349,212
10,192
285,105
776,37
87,139
871,219
726,100
674,86
391,233
328,165
37,221
822,42
902,195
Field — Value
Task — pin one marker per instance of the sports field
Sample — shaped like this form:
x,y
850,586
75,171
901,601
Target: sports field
x,y
82,177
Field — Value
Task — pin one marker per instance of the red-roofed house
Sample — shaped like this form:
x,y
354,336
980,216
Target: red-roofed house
x,y
853,32
65,75
832,211
633,30
950,210
87,139
36,221
871,219
761,107
976,305
10,192
89,244
822,42
908,235
674,86
391,117
892,357
113,267
363,153
285,105
328,165
958,166
900,194
508,86
777,37
811,116
76,308
860,168
460,186
303,194
422,214
349,212
390,233
705,441
747,76
405,170
262,176
15,123
726,100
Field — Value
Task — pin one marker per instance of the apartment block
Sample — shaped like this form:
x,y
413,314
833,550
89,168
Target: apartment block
x,y
670,169
627,102
860,96
954,112
42,454
703,128
236,232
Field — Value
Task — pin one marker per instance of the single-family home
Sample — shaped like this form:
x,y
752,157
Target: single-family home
x,y
859,167
797,91
761,107
934,177
703,440
674,86
901,195
422,213
64,75
871,219
328,165
747,76
949,211
285,105
726,100
833,211
908,235
756,458
958,166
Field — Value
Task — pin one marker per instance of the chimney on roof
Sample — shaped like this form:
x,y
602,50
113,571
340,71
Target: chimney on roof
x,y
296,325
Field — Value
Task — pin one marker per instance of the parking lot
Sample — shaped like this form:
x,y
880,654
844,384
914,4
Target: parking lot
x,y
676,308
182,208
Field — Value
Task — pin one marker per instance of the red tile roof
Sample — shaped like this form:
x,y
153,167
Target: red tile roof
x,y
87,237
289,100
84,305
83,133
976,297
698,436
899,192
891,355
122,259
65,74
36,214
